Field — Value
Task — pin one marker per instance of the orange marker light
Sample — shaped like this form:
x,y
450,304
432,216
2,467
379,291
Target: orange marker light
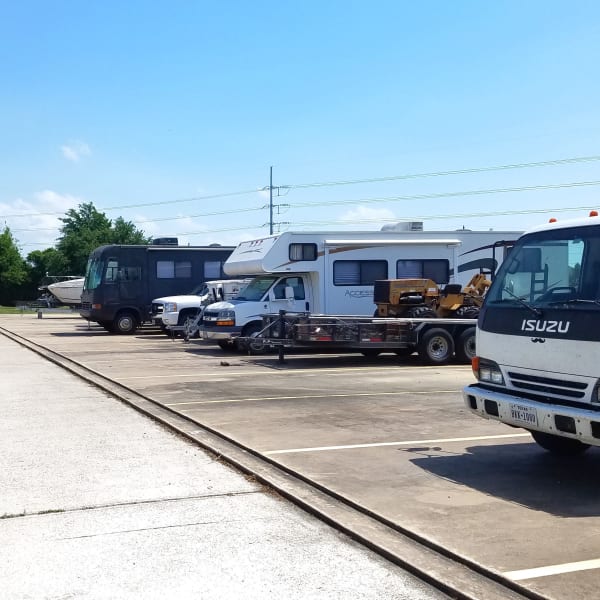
x,y
593,213
551,220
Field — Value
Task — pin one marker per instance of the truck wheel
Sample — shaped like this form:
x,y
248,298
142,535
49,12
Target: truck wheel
x,y
186,320
125,323
561,446
465,345
436,346
251,331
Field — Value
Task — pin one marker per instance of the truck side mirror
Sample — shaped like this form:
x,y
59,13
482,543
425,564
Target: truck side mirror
x,y
289,292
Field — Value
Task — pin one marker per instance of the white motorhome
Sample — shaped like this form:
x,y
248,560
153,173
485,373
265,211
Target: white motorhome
x,y
538,338
334,272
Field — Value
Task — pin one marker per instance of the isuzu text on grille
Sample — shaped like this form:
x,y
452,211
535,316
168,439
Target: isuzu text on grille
x,y
547,326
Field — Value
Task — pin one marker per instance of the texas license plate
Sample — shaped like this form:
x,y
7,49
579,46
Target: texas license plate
x,y
524,415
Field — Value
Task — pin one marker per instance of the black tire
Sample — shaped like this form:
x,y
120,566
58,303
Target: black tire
x,y
251,331
186,320
125,323
370,352
436,346
420,312
465,345
466,312
226,345
561,446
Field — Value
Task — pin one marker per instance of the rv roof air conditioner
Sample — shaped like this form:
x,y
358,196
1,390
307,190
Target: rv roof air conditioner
x,y
404,226
165,241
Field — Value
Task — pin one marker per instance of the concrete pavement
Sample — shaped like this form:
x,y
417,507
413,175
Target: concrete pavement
x,y
99,501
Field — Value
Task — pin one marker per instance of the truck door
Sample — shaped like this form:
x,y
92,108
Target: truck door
x,y
290,294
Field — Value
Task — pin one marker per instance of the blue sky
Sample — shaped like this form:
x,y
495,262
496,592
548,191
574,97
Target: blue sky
x,y
163,105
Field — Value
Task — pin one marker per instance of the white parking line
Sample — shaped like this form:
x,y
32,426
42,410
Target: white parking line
x,y
351,394
583,565
408,443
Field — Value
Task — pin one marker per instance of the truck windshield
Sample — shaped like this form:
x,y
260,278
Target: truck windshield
x,y
556,268
256,289
93,274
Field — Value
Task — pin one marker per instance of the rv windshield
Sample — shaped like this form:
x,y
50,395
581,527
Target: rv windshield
x,y
558,268
257,288
93,274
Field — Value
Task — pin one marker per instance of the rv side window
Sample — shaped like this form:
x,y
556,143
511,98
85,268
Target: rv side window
x,y
112,269
213,269
129,273
436,269
303,252
359,272
170,269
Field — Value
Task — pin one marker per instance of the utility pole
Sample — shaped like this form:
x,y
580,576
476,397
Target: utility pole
x,y
271,201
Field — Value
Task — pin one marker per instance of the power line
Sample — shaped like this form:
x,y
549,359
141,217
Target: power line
x,y
557,162
384,199
546,163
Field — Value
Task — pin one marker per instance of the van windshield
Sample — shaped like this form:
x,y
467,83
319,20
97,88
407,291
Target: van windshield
x,y
551,268
93,274
257,288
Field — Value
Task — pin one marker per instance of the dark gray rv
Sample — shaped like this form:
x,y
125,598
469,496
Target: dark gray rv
x,y
121,281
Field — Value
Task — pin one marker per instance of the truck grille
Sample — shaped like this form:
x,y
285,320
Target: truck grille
x,y
547,385
157,308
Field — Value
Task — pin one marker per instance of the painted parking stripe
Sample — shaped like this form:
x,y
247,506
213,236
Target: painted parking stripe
x,y
308,397
583,565
408,443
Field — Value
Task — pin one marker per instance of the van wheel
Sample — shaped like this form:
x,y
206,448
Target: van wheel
x,y
251,331
465,345
561,446
125,323
436,346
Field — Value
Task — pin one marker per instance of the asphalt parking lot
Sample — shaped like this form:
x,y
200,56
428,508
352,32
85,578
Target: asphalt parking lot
x,y
390,435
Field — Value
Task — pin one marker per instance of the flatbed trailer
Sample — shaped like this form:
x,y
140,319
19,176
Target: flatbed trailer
x,y
436,340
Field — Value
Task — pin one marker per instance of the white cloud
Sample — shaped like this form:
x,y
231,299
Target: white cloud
x,y
74,150
362,217
35,223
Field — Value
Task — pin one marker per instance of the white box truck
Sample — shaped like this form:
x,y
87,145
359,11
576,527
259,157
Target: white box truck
x,y
334,272
538,338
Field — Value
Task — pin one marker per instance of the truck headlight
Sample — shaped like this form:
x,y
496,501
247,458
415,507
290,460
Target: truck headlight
x,y
487,371
226,317
170,307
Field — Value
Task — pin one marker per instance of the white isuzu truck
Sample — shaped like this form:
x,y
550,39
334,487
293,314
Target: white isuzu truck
x,y
333,273
537,358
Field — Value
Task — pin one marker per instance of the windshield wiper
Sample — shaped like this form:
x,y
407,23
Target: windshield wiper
x,y
536,311
574,301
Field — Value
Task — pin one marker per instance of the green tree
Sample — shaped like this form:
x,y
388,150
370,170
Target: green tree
x,y
13,269
46,262
125,232
84,229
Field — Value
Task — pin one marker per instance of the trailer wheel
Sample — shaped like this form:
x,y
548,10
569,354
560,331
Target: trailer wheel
x,y
436,346
561,446
465,345
125,323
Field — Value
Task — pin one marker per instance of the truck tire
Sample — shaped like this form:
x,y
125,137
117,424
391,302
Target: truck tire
x,y
125,323
251,331
436,346
186,320
465,345
561,446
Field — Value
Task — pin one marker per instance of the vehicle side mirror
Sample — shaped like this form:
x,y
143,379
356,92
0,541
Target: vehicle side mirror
x,y
289,292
